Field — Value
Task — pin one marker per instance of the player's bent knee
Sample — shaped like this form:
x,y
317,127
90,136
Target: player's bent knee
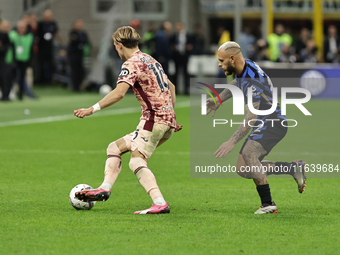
x,y
113,149
118,147
137,163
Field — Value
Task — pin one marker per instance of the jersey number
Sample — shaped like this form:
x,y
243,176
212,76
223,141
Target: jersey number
x,y
159,75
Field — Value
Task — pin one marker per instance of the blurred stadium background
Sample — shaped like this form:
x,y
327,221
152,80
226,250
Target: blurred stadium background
x,y
285,37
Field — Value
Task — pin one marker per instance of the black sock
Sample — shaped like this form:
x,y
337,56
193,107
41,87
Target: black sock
x,y
283,168
264,193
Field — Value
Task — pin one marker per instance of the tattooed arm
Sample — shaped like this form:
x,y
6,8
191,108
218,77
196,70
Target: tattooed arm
x,y
240,133
224,95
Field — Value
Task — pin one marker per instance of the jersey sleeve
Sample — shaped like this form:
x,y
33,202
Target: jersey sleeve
x,y
128,74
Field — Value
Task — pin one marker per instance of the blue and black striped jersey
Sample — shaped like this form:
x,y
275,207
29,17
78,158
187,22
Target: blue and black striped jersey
x,y
253,76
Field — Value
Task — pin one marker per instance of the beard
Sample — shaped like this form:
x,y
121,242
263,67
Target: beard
x,y
230,68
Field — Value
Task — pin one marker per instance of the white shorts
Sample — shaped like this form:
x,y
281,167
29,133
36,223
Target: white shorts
x,y
145,141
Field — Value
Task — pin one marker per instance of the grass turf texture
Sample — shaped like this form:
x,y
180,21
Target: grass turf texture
x,y
41,163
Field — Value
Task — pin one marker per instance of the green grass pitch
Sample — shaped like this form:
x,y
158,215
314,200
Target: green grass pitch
x,y
41,162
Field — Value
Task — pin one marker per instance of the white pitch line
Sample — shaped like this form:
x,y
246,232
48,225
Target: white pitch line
x,y
65,117
70,116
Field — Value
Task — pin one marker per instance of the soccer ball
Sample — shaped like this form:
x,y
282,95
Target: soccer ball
x,y
104,90
78,204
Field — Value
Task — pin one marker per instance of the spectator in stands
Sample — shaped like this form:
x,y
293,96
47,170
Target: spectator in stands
x,y
331,45
286,55
5,45
47,30
9,60
78,39
198,40
181,49
149,40
33,22
162,46
302,41
23,46
260,51
28,83
24,18
32,27
224,36
247,41
276,40
308,54
135,23
62,68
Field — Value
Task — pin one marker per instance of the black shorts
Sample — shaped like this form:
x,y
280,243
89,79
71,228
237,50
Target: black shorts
x,y
267,136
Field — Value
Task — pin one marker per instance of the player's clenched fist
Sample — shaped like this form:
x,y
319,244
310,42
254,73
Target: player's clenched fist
x,y
81,113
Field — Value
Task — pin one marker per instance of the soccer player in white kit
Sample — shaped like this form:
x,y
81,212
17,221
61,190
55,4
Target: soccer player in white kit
x,y
156,94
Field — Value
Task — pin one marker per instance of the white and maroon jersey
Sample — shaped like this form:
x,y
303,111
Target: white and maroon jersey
x,y
150,85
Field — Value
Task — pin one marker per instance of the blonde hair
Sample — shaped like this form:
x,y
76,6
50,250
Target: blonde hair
x,y
127,36
229,45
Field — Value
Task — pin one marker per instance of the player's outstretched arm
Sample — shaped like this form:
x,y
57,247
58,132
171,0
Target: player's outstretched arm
x,y
173,93
240,133
224,95
113,97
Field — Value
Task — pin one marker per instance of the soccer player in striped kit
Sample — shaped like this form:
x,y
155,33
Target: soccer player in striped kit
x,y
265,135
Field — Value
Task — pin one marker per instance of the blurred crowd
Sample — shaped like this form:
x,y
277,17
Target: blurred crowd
x,y
32,51
29,54
166,45
280,46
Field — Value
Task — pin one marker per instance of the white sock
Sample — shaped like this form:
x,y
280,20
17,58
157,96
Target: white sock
x,y
159,201
106,186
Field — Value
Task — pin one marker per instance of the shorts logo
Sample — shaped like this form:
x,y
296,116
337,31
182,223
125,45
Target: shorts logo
x,y
144,139
123,73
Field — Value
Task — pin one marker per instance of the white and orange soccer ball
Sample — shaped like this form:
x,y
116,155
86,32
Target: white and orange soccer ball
x,y
78,204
